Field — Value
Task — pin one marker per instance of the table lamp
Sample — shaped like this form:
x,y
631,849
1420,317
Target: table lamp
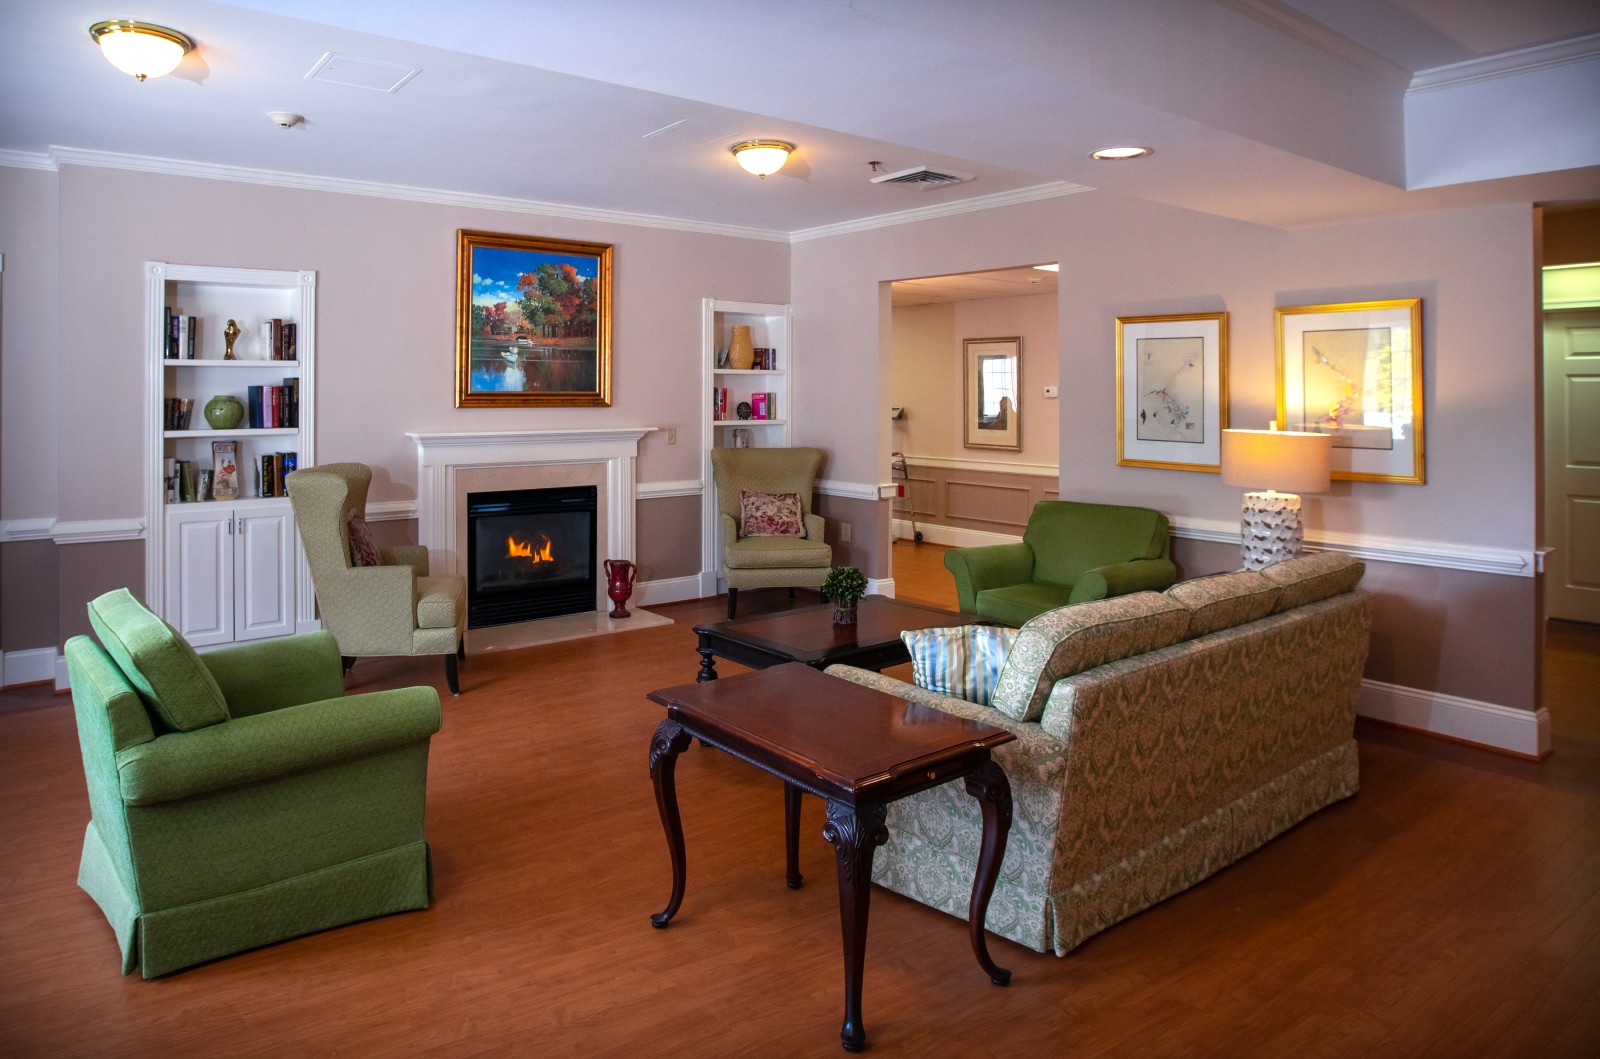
x,y
1268,461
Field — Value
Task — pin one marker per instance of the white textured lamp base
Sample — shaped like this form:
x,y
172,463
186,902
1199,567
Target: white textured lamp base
x,y
1272,531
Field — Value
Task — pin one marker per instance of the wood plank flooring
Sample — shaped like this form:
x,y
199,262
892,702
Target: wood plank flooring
x,y
1451,909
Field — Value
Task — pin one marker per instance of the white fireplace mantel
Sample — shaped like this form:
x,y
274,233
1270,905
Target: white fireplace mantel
x,y
442,457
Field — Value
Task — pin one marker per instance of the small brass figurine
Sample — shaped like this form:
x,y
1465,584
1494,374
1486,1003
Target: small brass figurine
x,y
230,333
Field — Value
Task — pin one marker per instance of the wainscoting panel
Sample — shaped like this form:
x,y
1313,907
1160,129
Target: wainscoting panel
x,y
972,498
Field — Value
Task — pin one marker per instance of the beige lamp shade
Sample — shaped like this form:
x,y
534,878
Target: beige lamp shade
x,y
1286,461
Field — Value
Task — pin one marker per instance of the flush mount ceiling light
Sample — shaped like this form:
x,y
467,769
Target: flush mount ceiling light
x,y
139,48
761,156
1119,154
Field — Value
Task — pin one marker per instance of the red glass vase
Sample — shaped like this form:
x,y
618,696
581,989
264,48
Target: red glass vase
x,y
619,584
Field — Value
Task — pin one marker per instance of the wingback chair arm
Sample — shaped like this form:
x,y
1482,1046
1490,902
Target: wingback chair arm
x,y
412,555
1118,579
271,674
730,529
269,745
993,566
816,527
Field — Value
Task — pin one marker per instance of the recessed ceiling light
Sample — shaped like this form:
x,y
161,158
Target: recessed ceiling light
x,y
1049,268
1117,154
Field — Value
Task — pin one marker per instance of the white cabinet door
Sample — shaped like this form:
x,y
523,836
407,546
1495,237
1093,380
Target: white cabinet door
x,y
263,573
199,561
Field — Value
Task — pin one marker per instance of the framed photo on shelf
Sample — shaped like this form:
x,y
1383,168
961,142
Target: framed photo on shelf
x,y
1355,371
224,470
533,322
993,385
1172,391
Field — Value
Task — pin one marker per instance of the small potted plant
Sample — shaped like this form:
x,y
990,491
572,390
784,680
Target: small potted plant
x,y
845,585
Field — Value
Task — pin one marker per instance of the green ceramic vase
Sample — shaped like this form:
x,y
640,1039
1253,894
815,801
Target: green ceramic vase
x,y
224,412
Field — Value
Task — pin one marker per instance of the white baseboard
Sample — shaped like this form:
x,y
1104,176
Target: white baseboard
x,y
955,536
27,667
1484,723
880,586
667,590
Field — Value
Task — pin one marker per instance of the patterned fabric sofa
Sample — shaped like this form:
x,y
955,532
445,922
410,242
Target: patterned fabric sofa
x,y
1160,737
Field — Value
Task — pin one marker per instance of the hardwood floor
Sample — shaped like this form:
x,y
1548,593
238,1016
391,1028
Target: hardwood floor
x,y
1450,909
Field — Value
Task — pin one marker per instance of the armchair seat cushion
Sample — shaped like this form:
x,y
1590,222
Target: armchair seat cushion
x,y
776,553
439,601
1016,605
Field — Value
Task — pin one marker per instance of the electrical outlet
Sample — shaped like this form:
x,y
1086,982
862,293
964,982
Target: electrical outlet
x,y
1052,391
844,533
672,435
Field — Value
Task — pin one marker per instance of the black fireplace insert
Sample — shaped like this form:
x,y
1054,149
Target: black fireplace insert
x,y
530,554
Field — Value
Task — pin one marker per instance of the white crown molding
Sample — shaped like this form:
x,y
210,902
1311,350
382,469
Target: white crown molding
x,y
59,156
27,160
1505,64
1281,18
1051,470
1052,190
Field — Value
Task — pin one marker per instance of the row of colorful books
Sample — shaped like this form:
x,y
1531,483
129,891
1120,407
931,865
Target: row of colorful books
x,y
763,405
274,467
180,332
279,337
273,406
766,359
177,413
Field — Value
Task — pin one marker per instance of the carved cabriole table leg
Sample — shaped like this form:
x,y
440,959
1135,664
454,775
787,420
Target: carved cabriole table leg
x,y
989,785
855,834
669,741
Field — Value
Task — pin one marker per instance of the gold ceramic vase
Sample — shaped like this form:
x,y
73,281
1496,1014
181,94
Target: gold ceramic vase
x,y
741,352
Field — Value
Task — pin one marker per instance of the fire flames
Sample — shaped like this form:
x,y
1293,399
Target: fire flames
x,y
516,549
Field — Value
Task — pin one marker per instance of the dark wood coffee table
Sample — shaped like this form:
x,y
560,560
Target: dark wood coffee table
x,y
808,634
858,750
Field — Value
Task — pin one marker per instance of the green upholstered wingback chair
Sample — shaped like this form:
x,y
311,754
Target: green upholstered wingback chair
x,y
769,562
238,798
393,608
1070,553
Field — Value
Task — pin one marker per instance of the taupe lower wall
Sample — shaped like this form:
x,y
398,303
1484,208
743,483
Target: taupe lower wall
x,y
28,604
867,526
89,570
668,536
996,501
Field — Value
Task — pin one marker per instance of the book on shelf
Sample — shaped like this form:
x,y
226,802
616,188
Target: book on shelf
x,y
766,359
224,470
758,405
179,411
289,339
191,328
274,468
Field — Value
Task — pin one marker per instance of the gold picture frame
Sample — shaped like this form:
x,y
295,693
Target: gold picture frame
x,y
1172,391
1355,371
533,322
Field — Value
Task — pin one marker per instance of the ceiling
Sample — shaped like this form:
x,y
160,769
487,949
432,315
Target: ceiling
x,y
973,286
1279,112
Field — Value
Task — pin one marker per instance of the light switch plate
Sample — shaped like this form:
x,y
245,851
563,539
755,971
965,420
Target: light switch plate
x,y
1052,391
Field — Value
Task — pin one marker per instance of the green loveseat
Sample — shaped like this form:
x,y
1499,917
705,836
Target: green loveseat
x,y
1070,553
239,798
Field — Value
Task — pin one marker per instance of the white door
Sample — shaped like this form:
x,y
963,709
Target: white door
x,y
1572,464
263,573
199,589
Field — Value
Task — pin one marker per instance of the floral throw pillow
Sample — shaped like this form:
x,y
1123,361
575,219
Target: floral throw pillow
x,y
770,515
363,549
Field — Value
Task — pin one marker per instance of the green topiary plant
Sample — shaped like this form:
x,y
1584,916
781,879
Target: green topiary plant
x,y
844,585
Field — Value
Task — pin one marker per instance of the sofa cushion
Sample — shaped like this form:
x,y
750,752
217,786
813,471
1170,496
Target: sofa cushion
x,y
1059,643
1015,605
1222,601
1308,578
159,663
964,661
775,553
770,514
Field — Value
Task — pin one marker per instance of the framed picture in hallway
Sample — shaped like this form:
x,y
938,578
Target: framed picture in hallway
x,y
1355,371
533,322
1172,391
993,387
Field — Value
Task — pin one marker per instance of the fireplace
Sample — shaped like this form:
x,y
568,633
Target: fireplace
x,y
531,553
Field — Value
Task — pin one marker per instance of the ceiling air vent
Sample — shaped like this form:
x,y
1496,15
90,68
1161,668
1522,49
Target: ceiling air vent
x,y
923,178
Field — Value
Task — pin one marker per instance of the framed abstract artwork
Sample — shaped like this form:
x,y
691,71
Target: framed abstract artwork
x,y
1172,391
993,373
533,322
1355,371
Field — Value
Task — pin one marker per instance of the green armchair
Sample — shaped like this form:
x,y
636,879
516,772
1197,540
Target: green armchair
x,y
1070,553
390,608
239,798
769,562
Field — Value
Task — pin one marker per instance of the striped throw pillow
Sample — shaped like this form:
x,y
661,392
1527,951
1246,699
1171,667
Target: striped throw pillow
x,y
964,661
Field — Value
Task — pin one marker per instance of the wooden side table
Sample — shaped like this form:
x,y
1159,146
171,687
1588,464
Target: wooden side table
x,y
857,749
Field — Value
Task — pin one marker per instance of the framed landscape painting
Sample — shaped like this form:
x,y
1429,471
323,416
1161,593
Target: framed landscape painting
x,y
1172,391
533,322
1355,371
